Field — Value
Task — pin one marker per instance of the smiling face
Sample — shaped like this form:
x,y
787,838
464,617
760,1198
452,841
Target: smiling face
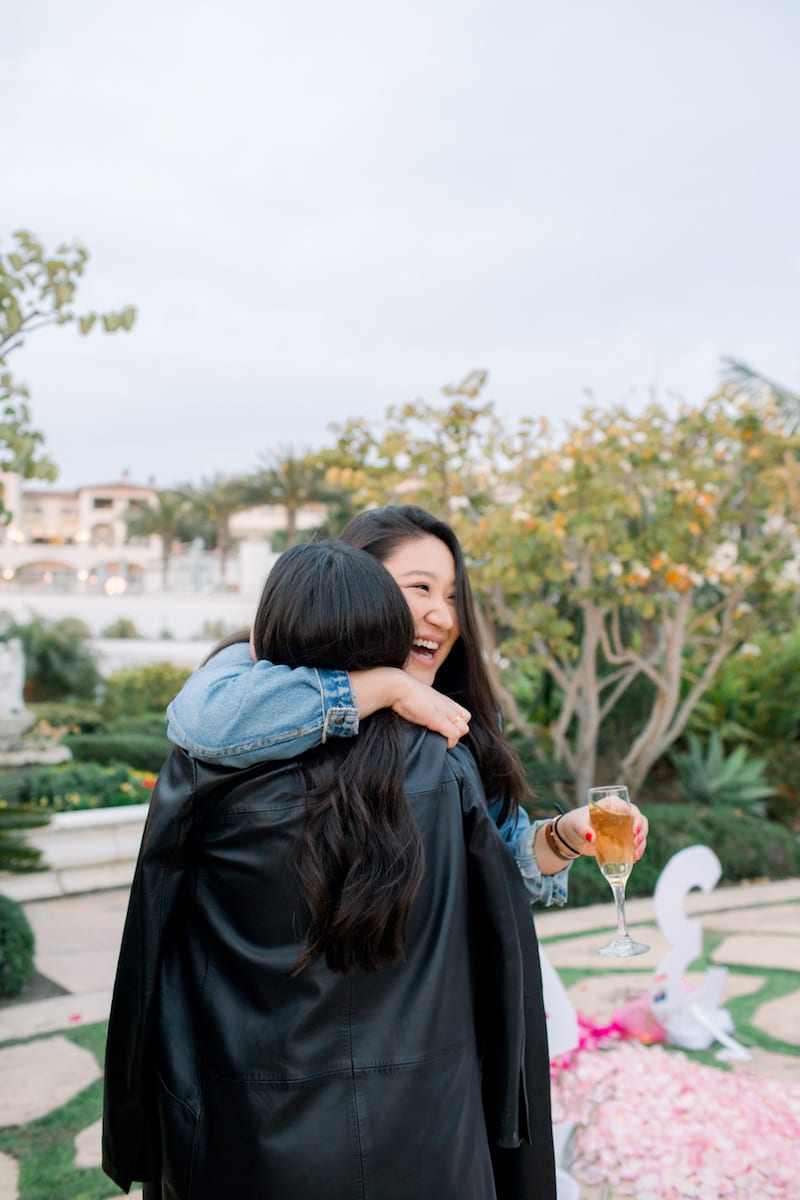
x,y
426,572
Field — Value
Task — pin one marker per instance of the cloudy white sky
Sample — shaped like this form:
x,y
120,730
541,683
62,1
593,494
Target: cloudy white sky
x,y
323,208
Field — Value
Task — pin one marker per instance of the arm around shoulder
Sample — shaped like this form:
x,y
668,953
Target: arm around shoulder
x,y
239,712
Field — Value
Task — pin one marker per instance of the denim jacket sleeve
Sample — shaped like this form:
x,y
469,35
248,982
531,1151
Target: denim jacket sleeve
x,y
518,833
238,712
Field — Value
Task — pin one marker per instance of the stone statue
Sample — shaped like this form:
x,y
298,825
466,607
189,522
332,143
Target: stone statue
x,y
16,719
14,716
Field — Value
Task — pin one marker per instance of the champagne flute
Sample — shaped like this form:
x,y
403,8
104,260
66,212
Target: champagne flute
x,y
612,821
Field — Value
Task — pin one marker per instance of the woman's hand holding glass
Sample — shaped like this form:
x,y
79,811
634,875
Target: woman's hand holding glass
x,y
611,814
577,829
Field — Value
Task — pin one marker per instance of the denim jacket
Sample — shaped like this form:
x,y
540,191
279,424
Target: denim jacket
x,y
237,712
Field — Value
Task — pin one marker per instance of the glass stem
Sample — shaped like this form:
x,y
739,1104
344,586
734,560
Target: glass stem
x,y
619,899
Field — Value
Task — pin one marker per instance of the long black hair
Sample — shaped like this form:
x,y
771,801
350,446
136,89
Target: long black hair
x,y
463,675
328,604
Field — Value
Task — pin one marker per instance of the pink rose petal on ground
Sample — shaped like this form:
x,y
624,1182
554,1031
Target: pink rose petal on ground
x,y
651,1121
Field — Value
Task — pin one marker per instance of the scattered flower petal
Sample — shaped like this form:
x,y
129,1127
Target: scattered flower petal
x,y
677,1128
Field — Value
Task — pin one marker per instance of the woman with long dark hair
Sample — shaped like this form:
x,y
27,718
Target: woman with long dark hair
x,y
328,985
238,712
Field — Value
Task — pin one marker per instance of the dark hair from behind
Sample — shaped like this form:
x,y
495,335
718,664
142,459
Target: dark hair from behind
x,y
463,676
326,604
361,860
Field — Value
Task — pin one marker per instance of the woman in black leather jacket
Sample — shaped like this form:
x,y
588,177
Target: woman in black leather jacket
x,y
328,985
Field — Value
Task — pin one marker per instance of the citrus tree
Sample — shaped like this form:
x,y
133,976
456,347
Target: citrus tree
x,y
638,546
435,455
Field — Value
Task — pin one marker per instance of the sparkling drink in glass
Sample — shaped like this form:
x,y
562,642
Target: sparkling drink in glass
x,y
612,821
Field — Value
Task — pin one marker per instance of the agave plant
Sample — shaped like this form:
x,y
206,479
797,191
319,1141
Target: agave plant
x,y
708,776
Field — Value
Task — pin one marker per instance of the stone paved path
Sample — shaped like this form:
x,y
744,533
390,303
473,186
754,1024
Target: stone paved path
x,y
77,940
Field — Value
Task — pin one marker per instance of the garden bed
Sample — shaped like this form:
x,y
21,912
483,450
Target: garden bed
x,y
82,851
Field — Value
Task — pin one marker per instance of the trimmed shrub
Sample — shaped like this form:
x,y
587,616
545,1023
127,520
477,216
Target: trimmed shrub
x,y
143,689
143,751
747,848
16,949
154,723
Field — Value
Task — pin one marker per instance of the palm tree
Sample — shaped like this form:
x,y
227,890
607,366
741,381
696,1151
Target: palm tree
x,y
166,519
754,384
214,501
289,480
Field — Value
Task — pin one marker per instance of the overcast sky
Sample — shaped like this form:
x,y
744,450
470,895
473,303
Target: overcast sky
x,y
320,209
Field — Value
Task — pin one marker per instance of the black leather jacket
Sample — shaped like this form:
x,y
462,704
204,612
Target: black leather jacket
x,y
228,1080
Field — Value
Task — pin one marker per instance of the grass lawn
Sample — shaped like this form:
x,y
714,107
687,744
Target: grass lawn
x,y
45,1148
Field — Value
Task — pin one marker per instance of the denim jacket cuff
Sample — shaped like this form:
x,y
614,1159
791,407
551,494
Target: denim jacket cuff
x,y
544,889
338,703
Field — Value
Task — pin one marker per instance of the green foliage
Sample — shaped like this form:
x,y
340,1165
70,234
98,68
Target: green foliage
x,y
748,848
290,480
212,503
435,455
16,948
709,777
36,289
756,696
143,751
783,770
58,659
633,545
123,627
165,519
152,723
78,785
20,443
143,689
542,776
15,854
69,716
742,376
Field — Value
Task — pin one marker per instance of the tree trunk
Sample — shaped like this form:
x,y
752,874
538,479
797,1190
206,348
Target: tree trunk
x,y
166,554
588,704
291,525
507,701
223,547
654,739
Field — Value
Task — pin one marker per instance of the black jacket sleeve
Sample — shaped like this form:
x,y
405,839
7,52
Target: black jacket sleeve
x,y
512,1027
130,1136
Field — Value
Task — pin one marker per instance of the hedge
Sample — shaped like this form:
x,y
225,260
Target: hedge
x,y
142,751
16,948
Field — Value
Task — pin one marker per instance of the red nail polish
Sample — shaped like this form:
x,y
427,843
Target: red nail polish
x,y
589,835
638,829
